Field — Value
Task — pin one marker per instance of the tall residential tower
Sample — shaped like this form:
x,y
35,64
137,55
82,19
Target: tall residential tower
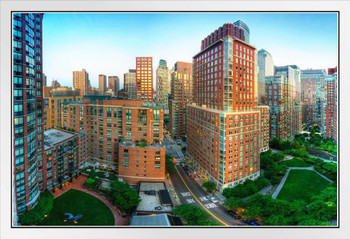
x,y
144,79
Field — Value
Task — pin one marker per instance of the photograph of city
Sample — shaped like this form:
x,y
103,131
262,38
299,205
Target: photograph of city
x,y
174,119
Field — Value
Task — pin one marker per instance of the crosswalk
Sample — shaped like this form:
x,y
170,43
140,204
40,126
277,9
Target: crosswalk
x,y
203,199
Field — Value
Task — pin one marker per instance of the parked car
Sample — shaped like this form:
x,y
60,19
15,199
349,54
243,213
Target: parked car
x,y
213,199
249,222
233,214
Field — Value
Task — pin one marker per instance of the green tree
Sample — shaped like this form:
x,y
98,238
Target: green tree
x,y
277,220
233,203
252,212
169,164
314,222
209,185
192,214
124,197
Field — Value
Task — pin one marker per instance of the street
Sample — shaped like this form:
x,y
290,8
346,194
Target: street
x,y
189,192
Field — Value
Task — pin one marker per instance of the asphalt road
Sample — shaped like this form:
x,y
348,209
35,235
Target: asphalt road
x,y
189,192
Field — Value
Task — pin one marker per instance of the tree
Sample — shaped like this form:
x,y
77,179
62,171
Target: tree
x,y
277,220
192,214
124,197
313,222
234,203
209,185
169,164
252,212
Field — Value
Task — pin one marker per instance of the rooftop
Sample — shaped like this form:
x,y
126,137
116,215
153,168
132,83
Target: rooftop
x,y
54,136
150,220
149,202
133,144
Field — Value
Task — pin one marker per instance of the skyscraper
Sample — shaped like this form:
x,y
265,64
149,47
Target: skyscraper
x,y
44,80
130,84
181,95
113,84
223,124
163,84
81,82
332,104
144,79
28,110
245,28
55,84
266,68
102,83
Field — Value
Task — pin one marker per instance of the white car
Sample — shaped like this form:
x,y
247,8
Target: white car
x,y
213,199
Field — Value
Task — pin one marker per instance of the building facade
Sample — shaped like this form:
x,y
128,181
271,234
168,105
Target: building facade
x,y
181,95
264,127
55,84
28,102
107,123
102,83
81,82
332,105
266,68
53,100
113,84
163,85
316,106
130,84
223,123
144,79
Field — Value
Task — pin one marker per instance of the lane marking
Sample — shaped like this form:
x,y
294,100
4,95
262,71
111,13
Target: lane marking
x,y
198,200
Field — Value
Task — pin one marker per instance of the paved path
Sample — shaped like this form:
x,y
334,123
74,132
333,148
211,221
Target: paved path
x,y
118,220
280,186
312,156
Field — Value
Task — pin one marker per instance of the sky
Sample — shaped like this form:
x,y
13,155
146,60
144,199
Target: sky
x,y
108,43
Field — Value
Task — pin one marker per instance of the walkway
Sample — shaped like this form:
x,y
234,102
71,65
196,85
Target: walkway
x,y
118,220
278,189
312,156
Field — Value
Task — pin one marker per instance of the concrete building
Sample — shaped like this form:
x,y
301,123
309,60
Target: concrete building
x,y
181,95
44,80
28,137
130,84
53,99
314,97
332,104
266,68
60,159
121,135
223,123
102,83
55,84
81,82
144,79
163,85
113,84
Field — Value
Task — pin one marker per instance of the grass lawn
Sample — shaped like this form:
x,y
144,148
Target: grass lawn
x,y
94,211
302,184
295,162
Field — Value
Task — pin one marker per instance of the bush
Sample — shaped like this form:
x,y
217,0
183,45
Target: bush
x,y
124,197
278,156
192,214
248,188
327,169
91,182
37,214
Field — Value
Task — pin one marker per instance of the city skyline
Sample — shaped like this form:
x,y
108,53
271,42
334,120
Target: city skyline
x,y
113,43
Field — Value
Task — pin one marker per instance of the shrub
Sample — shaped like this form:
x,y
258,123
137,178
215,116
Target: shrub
x,y
248,188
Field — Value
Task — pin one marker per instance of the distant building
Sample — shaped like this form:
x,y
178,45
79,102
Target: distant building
x,y
44,80
266,68
332,105
130,84
102,83
144,79
55,84
53,100
331,71
113,84
181,95
81,82
163,85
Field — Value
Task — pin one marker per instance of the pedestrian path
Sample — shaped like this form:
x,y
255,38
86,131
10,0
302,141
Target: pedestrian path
x,y
280,186
118,219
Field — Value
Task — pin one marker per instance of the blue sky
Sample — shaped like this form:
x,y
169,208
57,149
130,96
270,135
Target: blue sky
x,y
107,43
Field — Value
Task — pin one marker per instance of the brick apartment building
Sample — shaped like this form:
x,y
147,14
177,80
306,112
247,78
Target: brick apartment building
x,y
332,104
110,126
144,79
223,123
53,99
264,127
181,95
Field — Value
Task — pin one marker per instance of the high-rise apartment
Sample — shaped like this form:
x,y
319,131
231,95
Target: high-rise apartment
x,y
113,84
55,84
314,97
332,104
266,68
44,80
181,95
81,82
223,123
144,79
130,84
53,100
121,135
163,84
102,83
28,127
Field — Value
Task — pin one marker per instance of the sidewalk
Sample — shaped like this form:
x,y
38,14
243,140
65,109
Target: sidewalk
x,y
170,187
